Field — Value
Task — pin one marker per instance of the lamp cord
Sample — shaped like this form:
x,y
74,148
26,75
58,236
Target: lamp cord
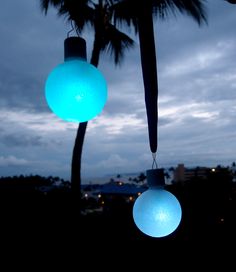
x,y
154,162
73,28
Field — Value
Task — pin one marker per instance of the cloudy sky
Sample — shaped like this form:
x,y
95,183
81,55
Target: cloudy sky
x,y
197,99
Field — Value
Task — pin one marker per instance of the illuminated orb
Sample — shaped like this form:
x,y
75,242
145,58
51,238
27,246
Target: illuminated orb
x,y
157,212
76,91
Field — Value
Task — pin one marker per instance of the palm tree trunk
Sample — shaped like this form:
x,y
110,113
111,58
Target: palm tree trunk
x,y
149,70
97,45
76,164
95,54
79,141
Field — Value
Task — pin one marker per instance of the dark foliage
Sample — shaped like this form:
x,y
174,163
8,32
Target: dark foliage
x,y
209,214
48,219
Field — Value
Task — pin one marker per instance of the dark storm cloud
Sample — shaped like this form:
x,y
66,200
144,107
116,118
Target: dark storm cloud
x,y
164,121
21,140
182,35
24,54
197,94
21,92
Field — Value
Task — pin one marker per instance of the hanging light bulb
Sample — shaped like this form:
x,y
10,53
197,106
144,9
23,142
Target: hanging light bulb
x,y
75,90
157,212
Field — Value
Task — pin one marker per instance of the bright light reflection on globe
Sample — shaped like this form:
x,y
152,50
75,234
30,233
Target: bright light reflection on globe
x,y
76,91
157,212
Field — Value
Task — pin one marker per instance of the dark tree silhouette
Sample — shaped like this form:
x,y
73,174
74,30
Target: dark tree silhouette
x,y
140,15
231,1
107,38
141,178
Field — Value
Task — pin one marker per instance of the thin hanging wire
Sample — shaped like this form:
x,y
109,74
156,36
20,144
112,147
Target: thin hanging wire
x,y
76,29
73,28
154,162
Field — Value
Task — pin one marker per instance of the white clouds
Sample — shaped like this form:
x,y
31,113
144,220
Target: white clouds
x,y
118,124
43,122
117,163
197,97
114,162
204,111
46,123
114,159
206,116
12,161
199,60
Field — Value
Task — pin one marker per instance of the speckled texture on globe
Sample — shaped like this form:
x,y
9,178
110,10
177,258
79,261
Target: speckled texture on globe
x,y
76,91
157,212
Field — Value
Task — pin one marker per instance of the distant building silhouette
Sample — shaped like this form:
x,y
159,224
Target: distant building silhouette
x,y
182,174
104,195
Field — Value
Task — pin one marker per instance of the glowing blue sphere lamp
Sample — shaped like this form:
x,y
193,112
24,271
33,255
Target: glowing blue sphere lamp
x,y
157,212
75,90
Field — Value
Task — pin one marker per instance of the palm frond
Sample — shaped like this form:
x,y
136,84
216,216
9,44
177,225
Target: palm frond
x,y
44,4
116,42
128,11
194,8
78,11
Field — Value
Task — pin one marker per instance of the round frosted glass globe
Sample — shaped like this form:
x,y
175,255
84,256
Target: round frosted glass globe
x,y
76,91
157,212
